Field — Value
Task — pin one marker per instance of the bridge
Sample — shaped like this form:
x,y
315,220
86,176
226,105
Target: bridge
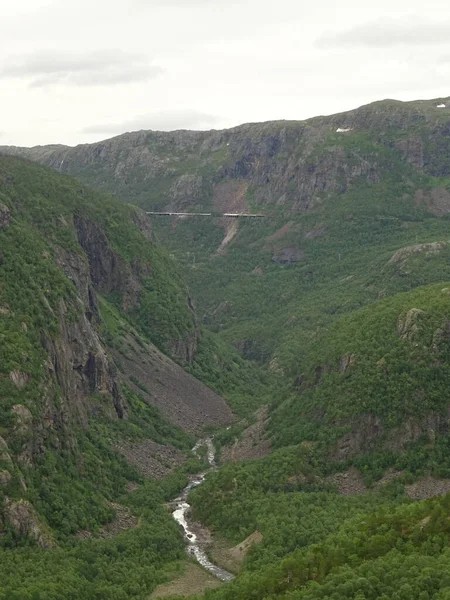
x,y
193,214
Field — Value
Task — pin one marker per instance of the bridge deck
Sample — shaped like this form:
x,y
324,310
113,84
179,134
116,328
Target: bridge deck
x,y
193,214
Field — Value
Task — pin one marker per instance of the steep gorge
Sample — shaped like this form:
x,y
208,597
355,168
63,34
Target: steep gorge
x,y
75,268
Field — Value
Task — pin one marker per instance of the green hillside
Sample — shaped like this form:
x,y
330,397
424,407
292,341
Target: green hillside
x,y
332,311
84,291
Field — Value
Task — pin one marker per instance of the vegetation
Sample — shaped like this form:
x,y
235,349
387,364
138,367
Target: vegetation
x,y
57,453
347,342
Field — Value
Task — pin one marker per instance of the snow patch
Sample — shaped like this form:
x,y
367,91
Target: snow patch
x,y
441,106
343,129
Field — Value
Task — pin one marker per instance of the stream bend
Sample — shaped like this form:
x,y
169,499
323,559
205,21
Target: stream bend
x,y
181,515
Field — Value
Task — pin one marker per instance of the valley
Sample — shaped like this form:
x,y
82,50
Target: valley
x,y
312,346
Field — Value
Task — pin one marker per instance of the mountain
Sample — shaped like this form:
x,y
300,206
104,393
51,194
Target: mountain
x,y
356,209
95,326
293,164
337,302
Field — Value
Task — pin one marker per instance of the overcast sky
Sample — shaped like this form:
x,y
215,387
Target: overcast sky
x,y
75,71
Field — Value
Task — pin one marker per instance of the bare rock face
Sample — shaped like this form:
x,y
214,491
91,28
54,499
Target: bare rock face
x,y
437,200
5,216
426,249
5,456
412,151
367,429
22,517
19,378
108,271
186,190
81,367
347,360
441,338
361,436
23,433
408,324
142,221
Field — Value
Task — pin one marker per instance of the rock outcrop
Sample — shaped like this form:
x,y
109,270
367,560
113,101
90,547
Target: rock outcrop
x,y
292,164
408,324
5,216
23,519
64,361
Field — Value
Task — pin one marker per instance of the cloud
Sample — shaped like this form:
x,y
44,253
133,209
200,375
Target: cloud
x,y
384,33
105,67
167,120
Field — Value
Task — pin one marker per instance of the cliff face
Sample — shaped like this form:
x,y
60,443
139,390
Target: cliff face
x,y
356,208
286,163
64,253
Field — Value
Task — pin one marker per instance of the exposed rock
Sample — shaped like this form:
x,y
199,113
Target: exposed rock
x,y
427,487
152,459
428,249
123,520
76,268
23,431
5,216
231,229
367,429
411,149
278,160
229,196
81,367
24,418
185,190
387,477
411,429
108,271
407,324
274,366
22,517
143,222
253,442
252,349
348,483
184,349
364,431
437,200
288,255
241,550
346,361
182,399
19,378
441,338
5,456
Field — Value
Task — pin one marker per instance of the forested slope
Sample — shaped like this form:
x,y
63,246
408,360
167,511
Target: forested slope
x,y
342,295
85,293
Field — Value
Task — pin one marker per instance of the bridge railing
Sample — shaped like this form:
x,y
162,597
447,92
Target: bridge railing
x,y
193,214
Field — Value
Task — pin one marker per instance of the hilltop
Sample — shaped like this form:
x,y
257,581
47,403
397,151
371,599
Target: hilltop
x,y
338,305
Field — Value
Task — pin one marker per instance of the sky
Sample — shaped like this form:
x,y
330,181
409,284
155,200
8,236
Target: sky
x,y
78,71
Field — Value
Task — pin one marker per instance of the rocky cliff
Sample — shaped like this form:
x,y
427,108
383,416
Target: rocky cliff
x,y
356,209
293,164
66,255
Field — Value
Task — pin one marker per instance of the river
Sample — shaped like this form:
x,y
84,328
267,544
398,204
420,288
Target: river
x,y
181,514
